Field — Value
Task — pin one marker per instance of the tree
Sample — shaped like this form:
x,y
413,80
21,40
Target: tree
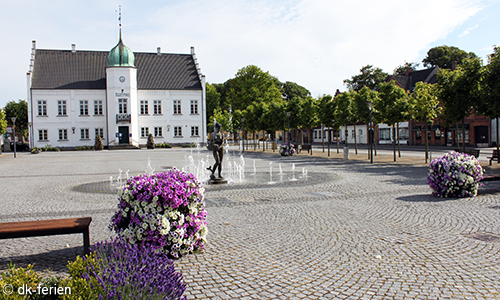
x,y
490,90
308,116
251,85
289,90
361,109
275,116
20,111
370,77
343,110
401,70
293,106
325,110
3,125
459,92
444,56
393,107
424,107
213,102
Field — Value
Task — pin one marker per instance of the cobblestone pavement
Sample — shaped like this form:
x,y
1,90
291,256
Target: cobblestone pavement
x,y
342,230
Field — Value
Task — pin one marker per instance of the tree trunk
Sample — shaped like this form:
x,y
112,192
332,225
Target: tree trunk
x,y
463,134
337,136
456,137
346,132
330,140
394,141
254,144
323,137
399,146
311,140
426,144
374,142
368,139
355,142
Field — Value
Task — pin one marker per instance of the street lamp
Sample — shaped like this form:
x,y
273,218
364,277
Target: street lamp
x,y
370,136
288,120
243,135
14,133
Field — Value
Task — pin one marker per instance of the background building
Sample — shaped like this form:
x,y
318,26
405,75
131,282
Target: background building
x,y
123,96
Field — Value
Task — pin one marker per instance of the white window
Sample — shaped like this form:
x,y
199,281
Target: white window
x,y
385,134
177,107
404,134
144,131
194,131
177,131
84,134
98,108
43,135
144,107
360,131
61,108
42,108
157,107
158,131
194,107
84,107
99,132
122,106
63,134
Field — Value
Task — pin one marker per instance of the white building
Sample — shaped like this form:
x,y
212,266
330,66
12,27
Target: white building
x,y
73,96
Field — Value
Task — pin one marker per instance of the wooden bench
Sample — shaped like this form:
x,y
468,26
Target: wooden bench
x,y
13,230
494,156
472,152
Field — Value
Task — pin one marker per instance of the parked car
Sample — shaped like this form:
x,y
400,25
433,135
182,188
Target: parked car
x,y
20,146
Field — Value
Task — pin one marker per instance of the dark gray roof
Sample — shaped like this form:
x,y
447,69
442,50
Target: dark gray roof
x,y
408,81
64,69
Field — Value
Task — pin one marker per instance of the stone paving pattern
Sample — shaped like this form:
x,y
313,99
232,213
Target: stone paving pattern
x,y
350,230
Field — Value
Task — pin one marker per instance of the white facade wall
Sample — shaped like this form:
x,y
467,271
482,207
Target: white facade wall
x,y
72,121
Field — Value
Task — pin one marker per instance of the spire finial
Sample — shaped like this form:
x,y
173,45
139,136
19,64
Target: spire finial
x,y
120,20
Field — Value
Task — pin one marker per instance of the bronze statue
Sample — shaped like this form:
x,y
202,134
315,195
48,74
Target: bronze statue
x,y
216,144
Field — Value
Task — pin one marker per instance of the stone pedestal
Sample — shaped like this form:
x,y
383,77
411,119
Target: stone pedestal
x,y
217,181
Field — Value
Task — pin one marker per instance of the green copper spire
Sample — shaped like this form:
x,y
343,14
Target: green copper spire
x,y
121,55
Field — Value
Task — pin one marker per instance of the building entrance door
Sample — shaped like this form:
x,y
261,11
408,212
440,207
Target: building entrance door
x,y
123,135
481,136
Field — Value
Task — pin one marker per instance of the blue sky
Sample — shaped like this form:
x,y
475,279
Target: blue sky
x,y
316,43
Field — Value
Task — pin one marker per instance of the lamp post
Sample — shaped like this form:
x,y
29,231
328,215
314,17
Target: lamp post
x,y
288,120
14,133
243,135
370,136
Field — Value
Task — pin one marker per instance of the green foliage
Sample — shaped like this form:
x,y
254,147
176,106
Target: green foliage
x,y
401,70
189,145
360,104
424,104
325,110
251,85
79,148
343,112
289,90
370,77
20,111
459,90
18,278
80,287
223,117
98,143
490,87
275,115
163,145
50,148
213,100
444,56
393,105
151,142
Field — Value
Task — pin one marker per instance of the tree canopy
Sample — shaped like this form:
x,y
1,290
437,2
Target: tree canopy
x,y
290,90
401,69
369,76
20,111
444,56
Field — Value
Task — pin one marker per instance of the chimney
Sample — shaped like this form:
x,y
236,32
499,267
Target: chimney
x,y
408,70
73,48
158,50
454,65
192,50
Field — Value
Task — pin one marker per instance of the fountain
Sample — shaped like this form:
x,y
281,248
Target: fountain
x,y
271,173
293,173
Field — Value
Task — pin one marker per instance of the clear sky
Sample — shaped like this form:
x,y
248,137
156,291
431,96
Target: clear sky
x,y
315,43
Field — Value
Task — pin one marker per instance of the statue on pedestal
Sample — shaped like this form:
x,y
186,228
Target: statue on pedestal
x,y
216,144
